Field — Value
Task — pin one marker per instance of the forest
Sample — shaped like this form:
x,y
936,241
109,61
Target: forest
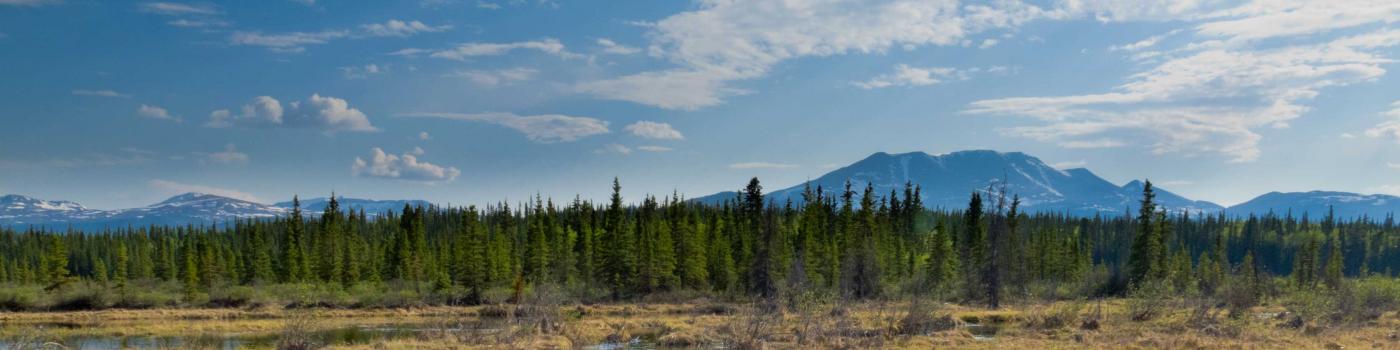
x,y
846,244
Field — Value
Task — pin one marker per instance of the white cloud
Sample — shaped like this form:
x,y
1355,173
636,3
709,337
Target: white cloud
x,y
762,165
672,89
100,93
612,47
286,42
305,2
1389,129
155,112
904,75
398,28
488,5
548,128
1393,190
469,50
726,41
496,77
423,135
1069,164
172,187
362,72
654,130
1209,97
230,155
34,3
654,149
614,149
1392,165
987,44
178,9
402,167
327,113
197,23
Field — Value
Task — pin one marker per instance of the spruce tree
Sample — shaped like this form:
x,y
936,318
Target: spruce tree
x,y
1143,258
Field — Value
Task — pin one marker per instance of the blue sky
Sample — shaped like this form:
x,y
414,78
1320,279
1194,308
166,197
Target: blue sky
x,y
119,104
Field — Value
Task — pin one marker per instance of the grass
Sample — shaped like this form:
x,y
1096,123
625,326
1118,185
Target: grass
x,y
877,324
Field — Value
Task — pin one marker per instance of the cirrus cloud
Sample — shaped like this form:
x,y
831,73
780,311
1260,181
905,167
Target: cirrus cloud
x,y
546,128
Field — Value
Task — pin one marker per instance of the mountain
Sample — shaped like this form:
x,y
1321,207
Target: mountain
x,y
20,210
948,179
1317,203
185,209
314,206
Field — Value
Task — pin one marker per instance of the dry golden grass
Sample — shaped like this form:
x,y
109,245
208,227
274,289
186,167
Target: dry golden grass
x,y
863,325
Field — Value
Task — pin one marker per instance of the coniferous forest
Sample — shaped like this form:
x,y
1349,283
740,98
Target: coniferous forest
x,y
849,243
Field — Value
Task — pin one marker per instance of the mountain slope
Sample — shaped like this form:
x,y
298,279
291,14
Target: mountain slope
x,y
1317,203
948,179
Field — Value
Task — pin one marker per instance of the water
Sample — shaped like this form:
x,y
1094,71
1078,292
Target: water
x,y
354,335
982,332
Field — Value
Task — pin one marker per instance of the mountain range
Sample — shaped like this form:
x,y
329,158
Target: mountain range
x,y
185,209
946,181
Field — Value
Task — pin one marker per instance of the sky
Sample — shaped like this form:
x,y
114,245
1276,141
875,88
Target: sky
x,y
117,104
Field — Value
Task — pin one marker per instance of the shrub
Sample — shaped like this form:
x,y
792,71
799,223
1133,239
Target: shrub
x,y
1310,305
20,298
1148,300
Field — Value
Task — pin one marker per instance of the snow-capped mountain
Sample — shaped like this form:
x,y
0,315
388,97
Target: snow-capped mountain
x,y
1317,203
185,209
22,210
948,179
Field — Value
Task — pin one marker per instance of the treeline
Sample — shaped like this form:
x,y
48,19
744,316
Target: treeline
x,y
849,242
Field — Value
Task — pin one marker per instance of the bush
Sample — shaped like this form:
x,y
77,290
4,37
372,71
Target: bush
x,y
1148,300
82,298
1055,317
20,298
1310,305
238,296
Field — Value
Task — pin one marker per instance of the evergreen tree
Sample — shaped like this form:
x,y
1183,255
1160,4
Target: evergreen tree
x,y
55,264
1143,258
1333,275
972,248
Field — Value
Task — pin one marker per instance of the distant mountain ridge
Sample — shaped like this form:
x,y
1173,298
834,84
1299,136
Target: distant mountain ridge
x,y
947,180
186,209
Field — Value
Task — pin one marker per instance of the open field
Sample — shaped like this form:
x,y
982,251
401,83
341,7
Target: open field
x,y
1061,325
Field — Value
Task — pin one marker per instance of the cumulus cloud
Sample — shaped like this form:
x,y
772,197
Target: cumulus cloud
x,y
398,28
761,165
100,93
612,47
171,188
155,112
178,9
905,75
465,51
496,77
547,128
654,130
230,155
326,113
402,167
423,135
